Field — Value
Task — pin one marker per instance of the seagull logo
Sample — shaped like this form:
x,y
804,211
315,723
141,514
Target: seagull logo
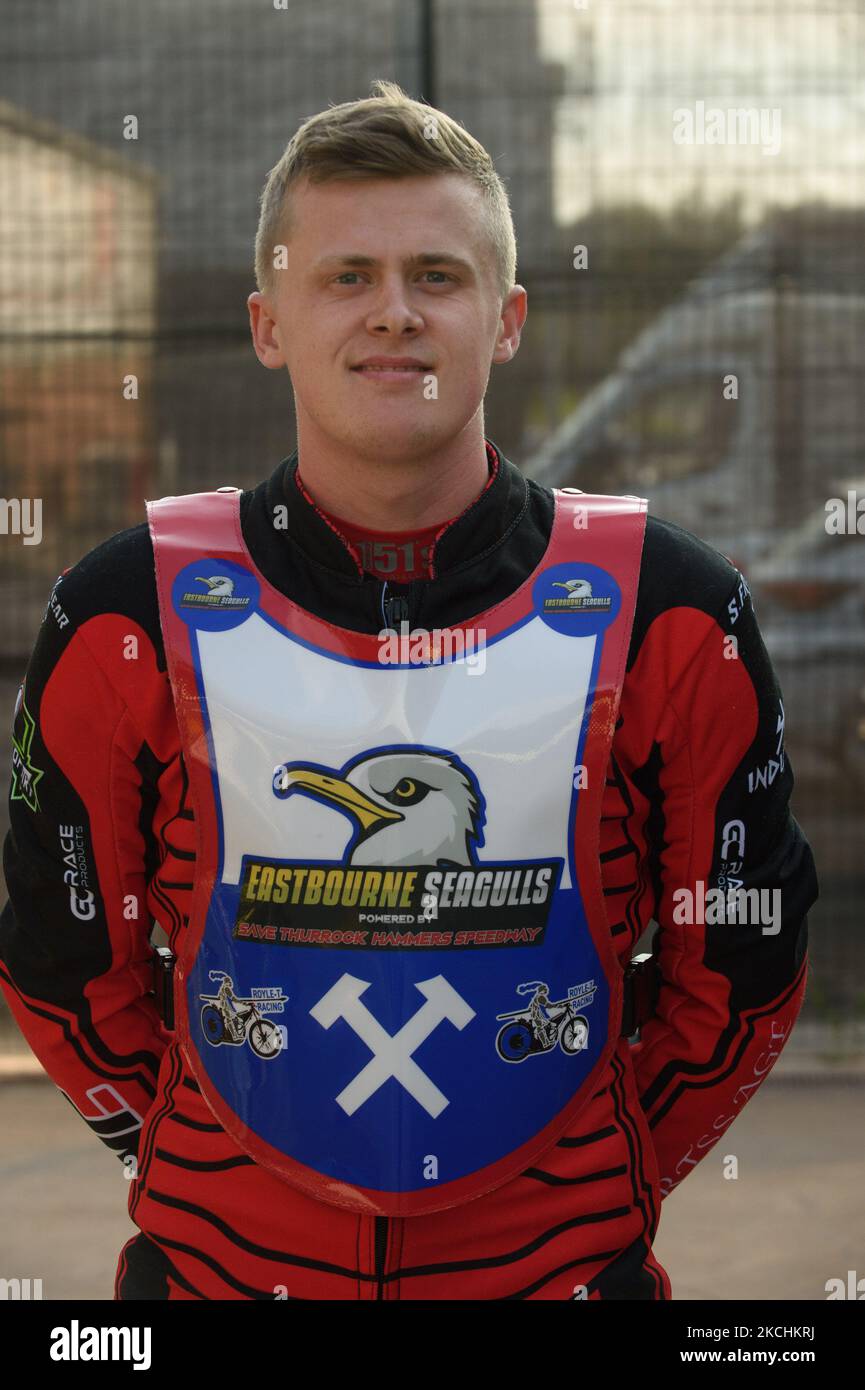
x,y
220,593
579,597
575,588
219,585
409,806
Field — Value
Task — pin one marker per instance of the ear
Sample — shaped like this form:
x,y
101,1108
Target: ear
x,y
265,330
513,316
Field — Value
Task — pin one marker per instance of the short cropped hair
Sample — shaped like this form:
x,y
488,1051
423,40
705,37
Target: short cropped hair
x,y
387,135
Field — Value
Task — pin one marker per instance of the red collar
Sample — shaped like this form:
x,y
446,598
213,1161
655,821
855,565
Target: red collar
x,y
399,556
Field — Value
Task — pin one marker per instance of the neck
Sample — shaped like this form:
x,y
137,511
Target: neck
x,y
395,494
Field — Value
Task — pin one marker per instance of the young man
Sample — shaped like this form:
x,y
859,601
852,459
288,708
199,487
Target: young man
x,y
385,739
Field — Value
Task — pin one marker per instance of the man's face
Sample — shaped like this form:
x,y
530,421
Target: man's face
x,y
355,286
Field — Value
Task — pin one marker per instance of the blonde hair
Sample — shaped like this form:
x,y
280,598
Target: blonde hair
x,y
387,135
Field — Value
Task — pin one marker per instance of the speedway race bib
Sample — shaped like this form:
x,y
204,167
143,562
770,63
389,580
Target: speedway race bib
x,y
398,985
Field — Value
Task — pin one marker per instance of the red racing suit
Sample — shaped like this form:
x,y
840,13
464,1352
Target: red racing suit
x,y
697,796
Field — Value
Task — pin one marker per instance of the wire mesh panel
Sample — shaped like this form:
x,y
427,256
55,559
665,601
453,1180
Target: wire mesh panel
x,y
688,194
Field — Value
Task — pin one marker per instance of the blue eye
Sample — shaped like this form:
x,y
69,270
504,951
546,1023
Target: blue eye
x,y
347,274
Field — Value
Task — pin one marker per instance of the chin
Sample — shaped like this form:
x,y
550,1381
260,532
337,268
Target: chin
x,y
390,440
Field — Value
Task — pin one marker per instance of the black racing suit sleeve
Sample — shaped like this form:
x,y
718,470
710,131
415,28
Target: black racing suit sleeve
x,y
730,989
75,934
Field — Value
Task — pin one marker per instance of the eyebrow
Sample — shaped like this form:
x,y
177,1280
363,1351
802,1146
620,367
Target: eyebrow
x,y
426,258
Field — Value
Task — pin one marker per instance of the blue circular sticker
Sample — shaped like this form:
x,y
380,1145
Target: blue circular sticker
x,y
214,594
577,599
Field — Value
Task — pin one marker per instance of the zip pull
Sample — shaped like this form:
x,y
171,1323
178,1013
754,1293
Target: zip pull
x,y
394,610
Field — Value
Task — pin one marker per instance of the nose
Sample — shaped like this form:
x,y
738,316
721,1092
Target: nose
x,y
393,312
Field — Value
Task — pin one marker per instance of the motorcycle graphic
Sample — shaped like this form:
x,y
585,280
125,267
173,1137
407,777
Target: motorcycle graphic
x,y
539,1027
228,1019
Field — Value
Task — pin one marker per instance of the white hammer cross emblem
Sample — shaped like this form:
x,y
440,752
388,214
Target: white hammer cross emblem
x,y
392,1056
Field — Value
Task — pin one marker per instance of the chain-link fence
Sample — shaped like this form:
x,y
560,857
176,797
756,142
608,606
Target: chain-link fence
x,y
687,190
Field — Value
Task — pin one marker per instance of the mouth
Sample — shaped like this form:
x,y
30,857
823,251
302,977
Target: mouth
x,y
382,373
